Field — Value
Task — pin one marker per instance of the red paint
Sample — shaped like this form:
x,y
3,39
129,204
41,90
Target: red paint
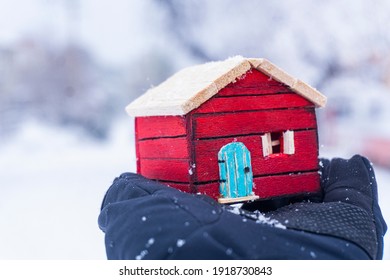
x,y
156,127
210,189
181,151
255,79
138,162
244,123
305,157
265,89
173,170
274,186
253,103
161,148
253,83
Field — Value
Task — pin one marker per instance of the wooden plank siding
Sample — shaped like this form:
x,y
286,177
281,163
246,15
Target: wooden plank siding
x,y
253,103
246,123
305,157
172,170
157,127
253,82
162,148
273,186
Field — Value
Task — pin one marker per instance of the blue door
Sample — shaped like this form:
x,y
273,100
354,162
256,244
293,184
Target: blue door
x,y
235,171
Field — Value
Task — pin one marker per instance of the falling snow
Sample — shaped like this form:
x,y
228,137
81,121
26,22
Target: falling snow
x,y
141,255
180,242
313,255
150,242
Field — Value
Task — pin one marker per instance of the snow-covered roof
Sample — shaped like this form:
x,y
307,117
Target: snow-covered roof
x,y
189,88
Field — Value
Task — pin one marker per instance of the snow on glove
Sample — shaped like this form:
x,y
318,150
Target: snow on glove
x,y
349,210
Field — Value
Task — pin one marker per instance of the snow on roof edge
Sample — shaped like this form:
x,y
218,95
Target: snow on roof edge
x,y
192,86
298,86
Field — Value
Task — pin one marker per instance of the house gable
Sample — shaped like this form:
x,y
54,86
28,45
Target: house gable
x,y
192,86
251,92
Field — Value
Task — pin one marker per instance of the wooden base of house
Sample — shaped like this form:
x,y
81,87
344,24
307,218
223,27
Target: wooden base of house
x,y
238,199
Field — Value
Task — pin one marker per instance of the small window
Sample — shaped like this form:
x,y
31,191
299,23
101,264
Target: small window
x,y
278,143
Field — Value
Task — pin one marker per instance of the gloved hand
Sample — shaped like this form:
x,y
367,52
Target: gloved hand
x,y
350,208
143,219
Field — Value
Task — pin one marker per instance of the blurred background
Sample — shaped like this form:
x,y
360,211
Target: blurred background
x,y
68,68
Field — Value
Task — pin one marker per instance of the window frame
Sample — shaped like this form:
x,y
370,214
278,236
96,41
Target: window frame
x,y
285,143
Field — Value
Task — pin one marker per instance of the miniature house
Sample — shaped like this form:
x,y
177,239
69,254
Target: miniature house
x,y
236,130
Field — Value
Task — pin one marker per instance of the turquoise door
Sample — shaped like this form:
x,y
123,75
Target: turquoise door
x,y
235,171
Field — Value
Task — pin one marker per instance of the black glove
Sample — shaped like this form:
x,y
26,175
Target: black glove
x,y
143,219
350,207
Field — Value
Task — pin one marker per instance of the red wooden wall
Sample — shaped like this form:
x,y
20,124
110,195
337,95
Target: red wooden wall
x,y
182,151
162,149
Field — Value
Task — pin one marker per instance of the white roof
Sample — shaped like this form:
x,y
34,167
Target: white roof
x,y
189,88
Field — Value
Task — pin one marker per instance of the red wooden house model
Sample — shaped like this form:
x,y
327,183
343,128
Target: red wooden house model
x,y
236,130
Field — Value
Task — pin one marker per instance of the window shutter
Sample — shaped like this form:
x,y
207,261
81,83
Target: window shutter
x,y
267,144
288,142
